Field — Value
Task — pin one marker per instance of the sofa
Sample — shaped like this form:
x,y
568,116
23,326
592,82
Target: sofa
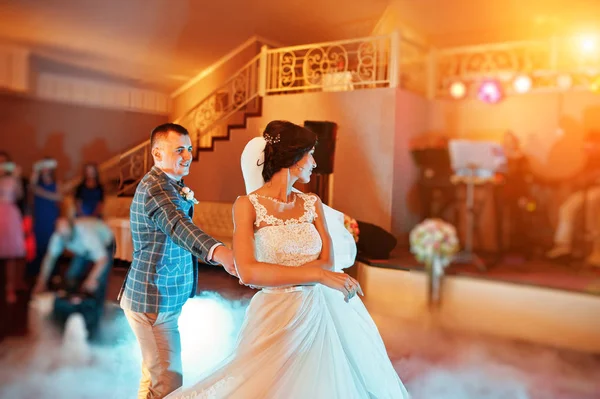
x,y
214,218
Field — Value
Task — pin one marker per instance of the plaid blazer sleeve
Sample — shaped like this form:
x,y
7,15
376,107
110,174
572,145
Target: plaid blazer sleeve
x,y
161,207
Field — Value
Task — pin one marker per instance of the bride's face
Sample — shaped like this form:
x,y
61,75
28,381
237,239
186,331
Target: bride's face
x,y
305,166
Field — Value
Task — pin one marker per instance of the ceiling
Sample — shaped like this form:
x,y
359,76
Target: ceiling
x,y
164,43
167,42
446,23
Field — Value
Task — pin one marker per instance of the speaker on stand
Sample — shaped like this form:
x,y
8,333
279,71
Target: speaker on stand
x,y
321,182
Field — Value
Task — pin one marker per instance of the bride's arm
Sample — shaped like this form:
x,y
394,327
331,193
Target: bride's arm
x,y
325,260
260,274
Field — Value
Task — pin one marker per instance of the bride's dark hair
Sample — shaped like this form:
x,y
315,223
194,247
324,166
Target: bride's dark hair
x,y
287,143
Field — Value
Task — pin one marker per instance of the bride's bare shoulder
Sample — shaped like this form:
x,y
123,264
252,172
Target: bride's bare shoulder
x,y
240,200
315,197
242,204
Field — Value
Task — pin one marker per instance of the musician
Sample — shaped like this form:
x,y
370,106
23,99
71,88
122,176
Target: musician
x,y
514,193
570,209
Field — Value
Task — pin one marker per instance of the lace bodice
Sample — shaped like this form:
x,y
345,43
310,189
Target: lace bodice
x,y
290,242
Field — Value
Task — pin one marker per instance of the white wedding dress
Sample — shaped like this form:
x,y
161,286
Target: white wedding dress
x,y
300,342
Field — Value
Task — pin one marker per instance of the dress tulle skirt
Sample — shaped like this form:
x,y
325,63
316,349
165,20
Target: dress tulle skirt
x,y
305,342
12,236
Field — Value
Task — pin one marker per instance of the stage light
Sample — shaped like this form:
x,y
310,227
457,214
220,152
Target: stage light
x,y
587,44
490,91
522,84
564,81
458,90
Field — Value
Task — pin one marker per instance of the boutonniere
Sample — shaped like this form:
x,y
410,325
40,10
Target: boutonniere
x,y
188,195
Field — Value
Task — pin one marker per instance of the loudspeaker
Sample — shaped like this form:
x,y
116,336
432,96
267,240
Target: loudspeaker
x,y
325,149
374,242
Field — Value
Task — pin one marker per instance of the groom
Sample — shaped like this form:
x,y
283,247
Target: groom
x,y
164,270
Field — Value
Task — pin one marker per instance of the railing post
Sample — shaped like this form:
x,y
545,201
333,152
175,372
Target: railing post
x,y
394,71
431,74
262,71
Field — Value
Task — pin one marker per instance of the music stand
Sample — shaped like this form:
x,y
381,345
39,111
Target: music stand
x,y
473,162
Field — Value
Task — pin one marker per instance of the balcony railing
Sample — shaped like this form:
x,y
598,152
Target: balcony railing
x,y
332,66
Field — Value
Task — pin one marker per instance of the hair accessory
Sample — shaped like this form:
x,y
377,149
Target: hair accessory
x,y
270,139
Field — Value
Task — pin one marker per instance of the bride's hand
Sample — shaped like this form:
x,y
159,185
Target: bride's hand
x,y
342,283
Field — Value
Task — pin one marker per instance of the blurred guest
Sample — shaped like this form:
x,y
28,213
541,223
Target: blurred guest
x,y
12,237
89,195
47,195
588,194
92,244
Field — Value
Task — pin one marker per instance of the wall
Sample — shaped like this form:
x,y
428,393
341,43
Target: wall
x,y
482,306
411,121
217,175
72,134
364,159
535,118
192,96
394,19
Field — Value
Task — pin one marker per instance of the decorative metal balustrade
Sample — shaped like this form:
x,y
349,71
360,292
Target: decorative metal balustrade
x,y
333,66
500,61
203,120
206,122
132,166
556,64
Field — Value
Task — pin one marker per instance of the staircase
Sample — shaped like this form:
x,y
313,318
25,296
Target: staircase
x,y
211,120
334,66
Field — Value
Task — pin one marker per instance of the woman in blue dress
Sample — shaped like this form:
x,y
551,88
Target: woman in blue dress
x,y
47,196
89,195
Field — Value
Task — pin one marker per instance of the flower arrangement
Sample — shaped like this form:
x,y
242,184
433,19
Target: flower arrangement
x,y
434,243
352,226
188,195
434,238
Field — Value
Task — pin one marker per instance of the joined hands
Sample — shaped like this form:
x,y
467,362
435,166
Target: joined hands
x,y
224,256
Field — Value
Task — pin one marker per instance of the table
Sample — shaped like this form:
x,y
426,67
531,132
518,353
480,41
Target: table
x,y
122,232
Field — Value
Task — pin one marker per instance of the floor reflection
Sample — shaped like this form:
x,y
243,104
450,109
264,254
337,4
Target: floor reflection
x,y
434,364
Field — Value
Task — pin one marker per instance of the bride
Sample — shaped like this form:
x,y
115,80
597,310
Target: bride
x,y
306,334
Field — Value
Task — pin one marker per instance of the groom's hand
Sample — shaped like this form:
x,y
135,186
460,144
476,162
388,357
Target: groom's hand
x,y
224,256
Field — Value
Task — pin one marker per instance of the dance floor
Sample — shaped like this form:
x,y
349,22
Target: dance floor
x,y
434,364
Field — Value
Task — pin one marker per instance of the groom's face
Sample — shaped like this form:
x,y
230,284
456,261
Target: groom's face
x,y
173,154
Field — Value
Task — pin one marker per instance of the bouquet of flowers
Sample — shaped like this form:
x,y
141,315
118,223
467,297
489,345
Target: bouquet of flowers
x,y
434,242
434,238
352,226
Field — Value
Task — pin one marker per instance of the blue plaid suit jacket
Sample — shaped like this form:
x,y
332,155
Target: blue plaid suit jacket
x,y
164,270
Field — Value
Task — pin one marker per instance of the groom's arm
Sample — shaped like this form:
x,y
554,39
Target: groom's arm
x,y
161,207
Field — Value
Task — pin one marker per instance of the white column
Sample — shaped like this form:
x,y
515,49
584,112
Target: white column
x,y
262,71
394,70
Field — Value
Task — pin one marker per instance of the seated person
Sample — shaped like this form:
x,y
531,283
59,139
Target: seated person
x,y
92,244
571,208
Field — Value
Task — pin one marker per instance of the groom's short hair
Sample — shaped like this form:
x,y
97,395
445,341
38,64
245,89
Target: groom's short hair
x,y
161,131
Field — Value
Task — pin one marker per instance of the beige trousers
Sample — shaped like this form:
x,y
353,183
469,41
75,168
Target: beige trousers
x,y
569,211
158,336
